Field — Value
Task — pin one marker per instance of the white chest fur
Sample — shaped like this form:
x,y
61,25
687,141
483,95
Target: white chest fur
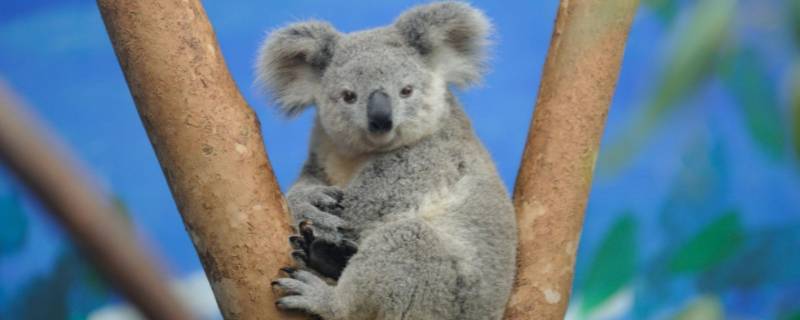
x,y
341,169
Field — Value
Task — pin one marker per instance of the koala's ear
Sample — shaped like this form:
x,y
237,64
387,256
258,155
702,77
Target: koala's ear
x,y
452,38
292,60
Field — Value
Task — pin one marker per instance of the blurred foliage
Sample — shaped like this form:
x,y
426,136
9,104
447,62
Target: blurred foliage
x,y
666,10
613,266
690,61
704,253
791,316
702,308
794,104
703,177
756,94
70,290
14,226
768,256
718,241
793,10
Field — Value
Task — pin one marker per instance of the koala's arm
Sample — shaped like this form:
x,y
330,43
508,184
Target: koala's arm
x,y
312,198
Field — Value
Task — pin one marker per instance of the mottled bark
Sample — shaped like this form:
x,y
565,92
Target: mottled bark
x,y
555,176
49,171
209,144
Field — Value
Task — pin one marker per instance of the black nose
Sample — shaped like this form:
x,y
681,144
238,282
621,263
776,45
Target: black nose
x,y
379,112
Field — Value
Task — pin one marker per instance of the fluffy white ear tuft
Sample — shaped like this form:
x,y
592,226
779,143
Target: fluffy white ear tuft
x,y
452,37
292,60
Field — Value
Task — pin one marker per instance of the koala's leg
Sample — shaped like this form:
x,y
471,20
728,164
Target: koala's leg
x,y
406,270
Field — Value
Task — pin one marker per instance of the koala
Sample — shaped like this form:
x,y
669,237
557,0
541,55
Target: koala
x,y
400,210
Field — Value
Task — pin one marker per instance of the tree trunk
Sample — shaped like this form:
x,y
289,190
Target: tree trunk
x,y
555,176
209,144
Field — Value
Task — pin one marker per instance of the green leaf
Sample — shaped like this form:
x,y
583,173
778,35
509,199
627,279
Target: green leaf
x,y
666,10
702,308
794,101
692,200
744,75
71,290
712,245
613,266
794,18
13,223
791,316
44,297
761,261
695,49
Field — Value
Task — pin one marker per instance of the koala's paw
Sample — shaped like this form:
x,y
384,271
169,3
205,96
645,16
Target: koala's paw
x,y
321,205
303,291
324,198
327,258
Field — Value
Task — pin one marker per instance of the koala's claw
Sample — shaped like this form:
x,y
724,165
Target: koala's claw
x,y
298,243
289,271
307,231
300,256
327,258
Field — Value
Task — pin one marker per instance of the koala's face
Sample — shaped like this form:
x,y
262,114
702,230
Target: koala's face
x,y
378,94
379,89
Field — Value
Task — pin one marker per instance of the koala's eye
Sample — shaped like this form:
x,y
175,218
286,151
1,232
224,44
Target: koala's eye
x,y
406,91
349,96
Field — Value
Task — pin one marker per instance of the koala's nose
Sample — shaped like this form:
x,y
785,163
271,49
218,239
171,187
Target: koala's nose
x,y
379,112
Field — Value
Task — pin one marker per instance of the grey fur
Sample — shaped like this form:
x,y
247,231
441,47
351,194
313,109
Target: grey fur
x,y
433,222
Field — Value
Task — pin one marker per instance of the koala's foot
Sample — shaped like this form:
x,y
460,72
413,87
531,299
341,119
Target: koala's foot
x,y
303,291
327,258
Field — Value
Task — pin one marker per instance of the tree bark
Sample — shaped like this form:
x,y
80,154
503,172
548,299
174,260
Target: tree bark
x,y
209,144
555,176
88,217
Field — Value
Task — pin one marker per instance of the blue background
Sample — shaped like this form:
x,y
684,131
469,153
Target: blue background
x,y
695,206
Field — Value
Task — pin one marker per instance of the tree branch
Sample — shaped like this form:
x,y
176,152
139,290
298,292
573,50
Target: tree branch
x,y
209,144
554,180
50,172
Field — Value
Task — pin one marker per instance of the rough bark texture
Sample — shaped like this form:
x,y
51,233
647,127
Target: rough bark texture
x,y
554,180
86,214
209,144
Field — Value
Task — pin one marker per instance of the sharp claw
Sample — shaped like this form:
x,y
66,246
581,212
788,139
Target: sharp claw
x,y
288,270
306,231
344,229
350,245
298,242
299,255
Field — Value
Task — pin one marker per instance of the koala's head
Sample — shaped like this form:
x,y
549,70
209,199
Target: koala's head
x,y
378,89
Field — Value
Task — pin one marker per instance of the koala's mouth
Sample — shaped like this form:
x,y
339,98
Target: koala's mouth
x,y
381,141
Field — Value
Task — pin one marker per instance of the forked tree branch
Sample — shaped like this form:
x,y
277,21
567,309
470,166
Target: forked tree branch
x,y
555,176
209,144
88,217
